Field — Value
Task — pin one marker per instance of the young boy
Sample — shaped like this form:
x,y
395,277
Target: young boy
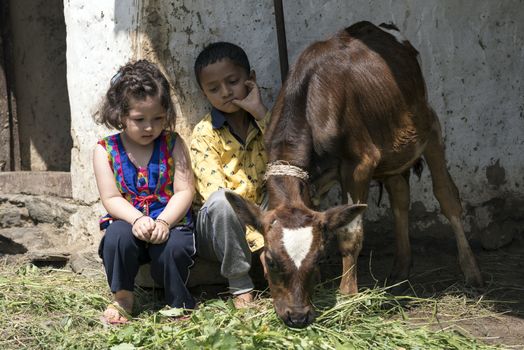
x,y
227,151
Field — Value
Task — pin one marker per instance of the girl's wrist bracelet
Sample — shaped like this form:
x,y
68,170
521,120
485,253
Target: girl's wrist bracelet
x,y
138,218
163,222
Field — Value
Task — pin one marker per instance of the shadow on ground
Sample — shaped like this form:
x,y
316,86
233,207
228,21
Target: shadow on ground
x,y
436,274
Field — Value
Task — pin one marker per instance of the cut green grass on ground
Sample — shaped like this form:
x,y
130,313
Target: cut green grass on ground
x,y
57,309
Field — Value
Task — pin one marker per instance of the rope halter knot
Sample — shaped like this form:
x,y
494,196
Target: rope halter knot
x,y
283,168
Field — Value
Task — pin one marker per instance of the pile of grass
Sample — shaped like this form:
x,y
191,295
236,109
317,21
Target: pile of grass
x,y
57,309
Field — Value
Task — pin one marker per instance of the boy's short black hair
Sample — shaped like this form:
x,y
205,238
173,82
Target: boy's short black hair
x,y
215,52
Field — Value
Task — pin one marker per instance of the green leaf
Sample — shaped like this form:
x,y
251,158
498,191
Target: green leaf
x,y
123,346
172,312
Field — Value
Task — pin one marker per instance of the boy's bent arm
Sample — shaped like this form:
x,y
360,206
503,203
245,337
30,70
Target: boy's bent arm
x,y
183,185
112,200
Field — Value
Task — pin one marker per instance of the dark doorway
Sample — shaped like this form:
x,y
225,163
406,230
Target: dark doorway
x,y
35,95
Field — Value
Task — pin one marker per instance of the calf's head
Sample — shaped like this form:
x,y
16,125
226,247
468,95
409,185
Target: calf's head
x,y
294,241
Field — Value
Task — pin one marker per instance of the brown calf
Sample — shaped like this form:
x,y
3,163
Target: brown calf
x,y
356,102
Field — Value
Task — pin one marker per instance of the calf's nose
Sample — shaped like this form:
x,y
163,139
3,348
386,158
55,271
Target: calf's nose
x,y
299,318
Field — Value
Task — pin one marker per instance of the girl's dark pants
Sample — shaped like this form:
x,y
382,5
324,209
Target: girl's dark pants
x,y
122,254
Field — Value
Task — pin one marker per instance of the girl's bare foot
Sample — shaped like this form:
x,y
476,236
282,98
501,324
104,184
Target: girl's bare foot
x,y
120,310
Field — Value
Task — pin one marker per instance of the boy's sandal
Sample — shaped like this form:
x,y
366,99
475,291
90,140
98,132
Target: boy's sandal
x,y
124,318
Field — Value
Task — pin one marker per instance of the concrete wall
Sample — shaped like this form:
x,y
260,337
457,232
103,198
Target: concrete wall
x,y
95,50
40,87
472,57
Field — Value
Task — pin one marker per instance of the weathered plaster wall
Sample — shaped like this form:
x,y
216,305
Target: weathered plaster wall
x,y
94,53
40,86
472,59
102,36
191,25
472,56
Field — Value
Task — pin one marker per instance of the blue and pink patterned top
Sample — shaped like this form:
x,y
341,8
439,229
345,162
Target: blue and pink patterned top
x,y
148,189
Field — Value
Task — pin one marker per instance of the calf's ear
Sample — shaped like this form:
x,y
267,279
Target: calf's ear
x,y
247,212
337,217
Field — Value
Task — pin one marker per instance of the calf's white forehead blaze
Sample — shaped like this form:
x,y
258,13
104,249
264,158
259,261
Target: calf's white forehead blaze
x,y
297,243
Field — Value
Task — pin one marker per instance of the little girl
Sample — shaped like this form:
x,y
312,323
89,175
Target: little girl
x,y
145,181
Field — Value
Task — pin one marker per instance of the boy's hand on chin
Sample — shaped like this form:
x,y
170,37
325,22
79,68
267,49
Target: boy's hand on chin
x,y
252,103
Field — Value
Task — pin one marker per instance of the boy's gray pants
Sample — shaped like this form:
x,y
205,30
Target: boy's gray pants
x,y
221,237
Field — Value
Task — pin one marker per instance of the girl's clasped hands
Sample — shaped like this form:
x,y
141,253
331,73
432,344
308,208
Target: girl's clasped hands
x,y
152,231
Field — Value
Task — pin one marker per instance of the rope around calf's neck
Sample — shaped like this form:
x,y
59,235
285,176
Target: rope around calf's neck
x,y
283,168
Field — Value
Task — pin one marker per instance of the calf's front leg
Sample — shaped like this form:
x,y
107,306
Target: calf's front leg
x,y
355,180
398,190
350,243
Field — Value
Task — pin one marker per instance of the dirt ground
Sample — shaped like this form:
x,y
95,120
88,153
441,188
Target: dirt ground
x,y
435,273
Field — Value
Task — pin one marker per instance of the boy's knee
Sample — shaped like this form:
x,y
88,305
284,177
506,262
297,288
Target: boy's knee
x,y
218,220
217,197
218,202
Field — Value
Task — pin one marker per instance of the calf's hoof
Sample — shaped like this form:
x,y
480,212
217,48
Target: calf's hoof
x,y
474,279
398,282
471,272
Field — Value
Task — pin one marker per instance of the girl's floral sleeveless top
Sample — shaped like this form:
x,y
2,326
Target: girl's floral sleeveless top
x,y
148,189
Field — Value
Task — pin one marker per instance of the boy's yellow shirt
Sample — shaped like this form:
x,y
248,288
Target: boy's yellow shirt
x,y
220,160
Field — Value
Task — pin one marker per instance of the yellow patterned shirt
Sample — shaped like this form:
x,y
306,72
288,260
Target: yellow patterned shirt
x,y
220,160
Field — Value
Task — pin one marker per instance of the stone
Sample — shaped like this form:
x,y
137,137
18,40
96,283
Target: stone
x,y
50,209
87,263
54,183
498,234
12,216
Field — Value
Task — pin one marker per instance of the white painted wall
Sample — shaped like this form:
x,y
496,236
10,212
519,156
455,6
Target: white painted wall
x,y
95,50
473,61
472,57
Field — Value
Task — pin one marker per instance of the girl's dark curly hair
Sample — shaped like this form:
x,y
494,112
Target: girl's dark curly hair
x,y
136,80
